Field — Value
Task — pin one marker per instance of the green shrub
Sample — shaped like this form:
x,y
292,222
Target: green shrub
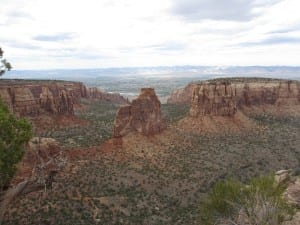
x,y
219,201
257,203
14,133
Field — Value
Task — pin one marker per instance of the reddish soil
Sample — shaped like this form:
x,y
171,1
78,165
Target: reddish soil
x,y
46,123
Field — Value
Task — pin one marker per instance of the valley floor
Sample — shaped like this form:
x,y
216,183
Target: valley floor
x,y
156,180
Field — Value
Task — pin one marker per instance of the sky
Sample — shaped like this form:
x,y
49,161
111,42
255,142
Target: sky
x,y
51,34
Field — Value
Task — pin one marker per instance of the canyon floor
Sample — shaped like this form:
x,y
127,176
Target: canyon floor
x,y
160,179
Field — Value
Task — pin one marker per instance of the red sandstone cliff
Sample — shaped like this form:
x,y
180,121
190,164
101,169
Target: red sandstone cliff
x,y
34,98
143,115
95,93
182,95
223,97
216,99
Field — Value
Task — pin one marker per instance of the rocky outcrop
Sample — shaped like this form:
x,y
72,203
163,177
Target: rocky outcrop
x,y
295,220
143,115
216,99
182,95
277,93
290,179
34,98
223,97
40,153
96,93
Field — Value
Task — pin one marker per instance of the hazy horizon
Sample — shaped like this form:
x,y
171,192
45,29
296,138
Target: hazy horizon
x,y
162,66
128,81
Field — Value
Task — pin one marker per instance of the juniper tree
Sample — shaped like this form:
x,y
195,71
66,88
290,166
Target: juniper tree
x,y
14,134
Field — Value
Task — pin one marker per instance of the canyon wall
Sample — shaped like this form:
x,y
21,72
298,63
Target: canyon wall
x,y
143,115
223,97
96,93
182,95
213,99
33,98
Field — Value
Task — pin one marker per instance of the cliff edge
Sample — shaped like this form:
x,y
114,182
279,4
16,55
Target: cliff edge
x,y
36,97
224,97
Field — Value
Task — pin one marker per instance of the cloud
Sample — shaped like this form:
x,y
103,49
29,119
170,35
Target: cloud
x,y
55,37
19,14
13,17
20,44
272,41
167,46
286,30
143,32
230,10
75,53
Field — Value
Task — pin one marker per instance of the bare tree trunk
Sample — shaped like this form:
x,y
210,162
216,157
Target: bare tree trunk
x,y
24,187
42,178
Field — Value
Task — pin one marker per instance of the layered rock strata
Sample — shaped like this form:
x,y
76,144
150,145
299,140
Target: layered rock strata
x,y
213,99
34,98
143,115
182,95
225,97
96,93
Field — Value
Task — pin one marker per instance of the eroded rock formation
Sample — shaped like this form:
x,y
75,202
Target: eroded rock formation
x,y
182,95
34,98
95,93
213,99
143,115
277,93
223,97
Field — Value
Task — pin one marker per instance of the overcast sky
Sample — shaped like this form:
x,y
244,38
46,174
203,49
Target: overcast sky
x,y
45,34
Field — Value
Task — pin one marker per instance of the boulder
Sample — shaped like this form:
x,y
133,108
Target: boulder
x,y
292,193
291,180
282,177
294,221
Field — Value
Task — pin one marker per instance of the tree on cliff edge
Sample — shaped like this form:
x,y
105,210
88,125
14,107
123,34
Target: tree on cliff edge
x,y
14,134
4,65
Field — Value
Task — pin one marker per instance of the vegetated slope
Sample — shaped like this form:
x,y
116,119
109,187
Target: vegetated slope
x,y
98,117
224,105
160,179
